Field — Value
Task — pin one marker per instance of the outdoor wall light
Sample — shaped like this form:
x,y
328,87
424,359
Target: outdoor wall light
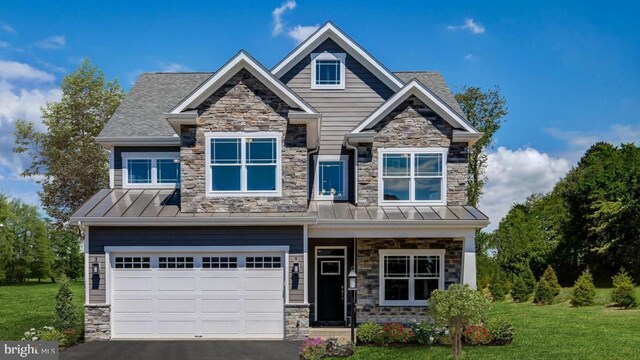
x,y
296,268
352,280
95,268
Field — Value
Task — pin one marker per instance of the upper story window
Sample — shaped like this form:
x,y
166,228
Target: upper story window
x,y
244,164
150,170
412,176
331,177
327,70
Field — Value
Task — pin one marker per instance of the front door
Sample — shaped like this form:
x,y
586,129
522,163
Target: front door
x,y
330,290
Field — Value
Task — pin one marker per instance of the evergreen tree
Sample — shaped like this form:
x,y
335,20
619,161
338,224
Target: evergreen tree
x,y
66,312
624,291
548,288
584,292
520,292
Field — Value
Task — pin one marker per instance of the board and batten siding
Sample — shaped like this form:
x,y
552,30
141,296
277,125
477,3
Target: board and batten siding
x,y
117,158
341,110
291,236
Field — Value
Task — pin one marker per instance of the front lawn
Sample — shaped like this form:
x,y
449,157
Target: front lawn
x,y
544,332
31,305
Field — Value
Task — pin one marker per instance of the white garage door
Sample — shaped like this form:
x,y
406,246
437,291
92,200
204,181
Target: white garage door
x,y
197,296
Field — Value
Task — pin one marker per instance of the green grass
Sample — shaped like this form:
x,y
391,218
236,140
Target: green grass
x,y
31,305
544,332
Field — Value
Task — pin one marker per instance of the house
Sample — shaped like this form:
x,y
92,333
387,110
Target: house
x,y
240,199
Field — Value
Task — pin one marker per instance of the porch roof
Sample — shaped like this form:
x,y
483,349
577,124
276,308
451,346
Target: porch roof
x,y
161,207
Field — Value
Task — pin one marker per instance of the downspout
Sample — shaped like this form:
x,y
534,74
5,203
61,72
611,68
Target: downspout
x,y
355,169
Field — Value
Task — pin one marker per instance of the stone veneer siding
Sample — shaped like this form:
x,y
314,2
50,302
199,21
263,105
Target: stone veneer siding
x,y
97,322
296,321
368,258
243,104
412,125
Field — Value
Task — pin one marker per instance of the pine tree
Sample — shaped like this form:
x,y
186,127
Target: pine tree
x,y
623,293
520,291
548,288
66,312
584,292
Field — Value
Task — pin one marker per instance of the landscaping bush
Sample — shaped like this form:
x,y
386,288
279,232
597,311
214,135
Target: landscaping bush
x,y
520,291
623,293
501,330
486,292
477,335
548,288
46,333
369,333
457,307
584,292
427,333
338,347
498,289
529,279
66,312
394,333
313,349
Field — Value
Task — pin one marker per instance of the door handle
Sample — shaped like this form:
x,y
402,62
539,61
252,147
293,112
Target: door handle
x,y
342,292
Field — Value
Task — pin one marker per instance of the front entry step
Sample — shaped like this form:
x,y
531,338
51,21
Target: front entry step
x,y
325,333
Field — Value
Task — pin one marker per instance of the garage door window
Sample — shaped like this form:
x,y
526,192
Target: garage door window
x,y
220,262
263,262
176,262
133,263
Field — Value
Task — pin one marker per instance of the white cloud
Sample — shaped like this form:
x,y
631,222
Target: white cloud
x,y
13,70
298,32
7,28
52,42
515,174
578,142
174,67
470,25
469,57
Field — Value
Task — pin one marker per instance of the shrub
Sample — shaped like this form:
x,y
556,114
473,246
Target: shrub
x,y
393,333
584,292
529,279
66,312
548,288
497,288
501,330
339,347
456,307
623,293
520,291
486,292
369,333
46,333
313,349
427,333
477,335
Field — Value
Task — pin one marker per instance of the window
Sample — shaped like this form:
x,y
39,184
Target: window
x,y
327,70
243,164
181,262
263,262
220,262
329,267
408,277
331,177
151,170
132,263
412,176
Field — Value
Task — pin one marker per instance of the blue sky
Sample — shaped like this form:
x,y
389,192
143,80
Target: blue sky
x,y
569,70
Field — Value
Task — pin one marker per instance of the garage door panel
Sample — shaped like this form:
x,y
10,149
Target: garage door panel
x,y
133,327
220,305
263,327
179,305
182,283
211,283
263,306
220,327
177,327
137,283
253,282
134,306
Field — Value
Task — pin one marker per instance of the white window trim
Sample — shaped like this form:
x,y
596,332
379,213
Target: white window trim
x,y
243,135
413,152
344,159
411,253
322,272
328,56
154,157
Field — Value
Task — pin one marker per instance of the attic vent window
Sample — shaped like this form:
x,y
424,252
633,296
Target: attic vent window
x,y
327,71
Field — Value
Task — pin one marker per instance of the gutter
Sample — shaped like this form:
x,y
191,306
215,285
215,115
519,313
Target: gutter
x,y
173,140
197,221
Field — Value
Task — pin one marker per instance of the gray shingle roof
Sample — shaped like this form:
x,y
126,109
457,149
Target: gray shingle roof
x,y
141,111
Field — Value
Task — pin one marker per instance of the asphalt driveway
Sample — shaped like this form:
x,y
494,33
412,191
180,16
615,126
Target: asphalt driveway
x,y
183,350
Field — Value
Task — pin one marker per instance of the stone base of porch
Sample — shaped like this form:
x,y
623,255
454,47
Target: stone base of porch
x,y
325,333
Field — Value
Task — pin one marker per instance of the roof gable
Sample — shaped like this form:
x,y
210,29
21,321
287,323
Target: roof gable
x,y
330,31
240,61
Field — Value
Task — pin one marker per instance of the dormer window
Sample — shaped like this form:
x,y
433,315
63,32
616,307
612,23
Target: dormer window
x,y
150,170
327,70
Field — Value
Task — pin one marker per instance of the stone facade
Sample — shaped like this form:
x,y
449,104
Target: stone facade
x,y
243,104
296,321
97,322
368,258
412,125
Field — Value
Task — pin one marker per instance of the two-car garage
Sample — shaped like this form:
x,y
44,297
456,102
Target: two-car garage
x,y
210,294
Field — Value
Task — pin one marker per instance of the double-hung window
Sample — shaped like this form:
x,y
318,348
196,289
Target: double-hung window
x,y
331,177
328,70
243,164
412,176
150,170
408,277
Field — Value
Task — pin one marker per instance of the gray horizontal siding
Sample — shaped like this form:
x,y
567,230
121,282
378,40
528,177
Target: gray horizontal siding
x,y
99,237
117,158
341,110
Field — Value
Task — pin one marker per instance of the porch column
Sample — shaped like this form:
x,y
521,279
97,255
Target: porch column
x,y
469,260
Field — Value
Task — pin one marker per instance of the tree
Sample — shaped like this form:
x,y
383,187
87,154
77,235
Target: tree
x,y
584,292
485,110
457,307
548,288
68,253
66,311
69,164
520,291
6,239
624,291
